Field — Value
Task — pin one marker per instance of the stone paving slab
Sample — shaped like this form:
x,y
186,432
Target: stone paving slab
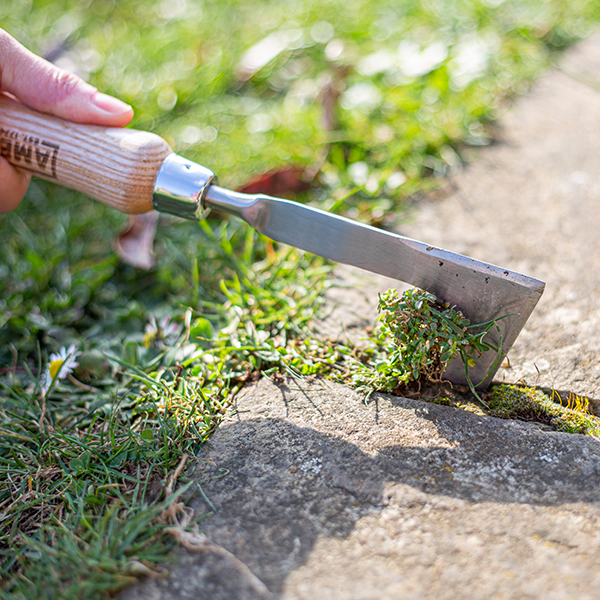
x,y
532,203
323,495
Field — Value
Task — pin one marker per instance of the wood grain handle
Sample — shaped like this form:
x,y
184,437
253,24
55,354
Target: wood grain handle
x,y
116,166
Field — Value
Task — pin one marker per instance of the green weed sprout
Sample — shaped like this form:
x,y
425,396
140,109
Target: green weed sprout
x,y
420,335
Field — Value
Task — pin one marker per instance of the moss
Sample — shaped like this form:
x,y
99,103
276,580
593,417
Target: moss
x,y
520,402
443,401
456,401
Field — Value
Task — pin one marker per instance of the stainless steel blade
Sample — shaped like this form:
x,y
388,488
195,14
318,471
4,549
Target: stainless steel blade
x,y
481,291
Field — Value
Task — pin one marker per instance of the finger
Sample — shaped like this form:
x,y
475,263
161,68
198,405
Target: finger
x,y
47,88
13,185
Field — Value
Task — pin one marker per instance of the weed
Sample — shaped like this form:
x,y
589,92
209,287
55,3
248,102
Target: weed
x,y
417,337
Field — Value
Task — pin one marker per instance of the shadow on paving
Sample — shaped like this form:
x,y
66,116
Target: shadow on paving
x,y
274,487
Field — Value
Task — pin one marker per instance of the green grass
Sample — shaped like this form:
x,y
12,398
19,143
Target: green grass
x,y
99,449
87,471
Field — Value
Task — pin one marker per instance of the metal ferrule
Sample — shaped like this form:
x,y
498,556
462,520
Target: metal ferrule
x,y
180,188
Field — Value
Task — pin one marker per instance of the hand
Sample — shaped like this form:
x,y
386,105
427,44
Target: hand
x,y
44,87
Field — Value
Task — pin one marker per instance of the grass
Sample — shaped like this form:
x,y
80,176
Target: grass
x,y
81,463
371,101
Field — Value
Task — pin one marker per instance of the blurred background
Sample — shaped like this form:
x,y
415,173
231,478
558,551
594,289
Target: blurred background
x,y
342,93
355,106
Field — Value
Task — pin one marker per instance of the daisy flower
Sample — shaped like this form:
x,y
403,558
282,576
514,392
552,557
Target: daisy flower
x,y
163,331
60,365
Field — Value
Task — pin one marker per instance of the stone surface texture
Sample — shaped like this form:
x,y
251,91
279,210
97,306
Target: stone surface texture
x,y
322,494
313,491
532,203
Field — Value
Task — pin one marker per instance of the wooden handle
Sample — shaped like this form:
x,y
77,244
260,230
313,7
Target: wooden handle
x,y
116,166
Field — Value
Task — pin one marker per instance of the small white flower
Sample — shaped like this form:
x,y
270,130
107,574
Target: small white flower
x,y
60,365
163,331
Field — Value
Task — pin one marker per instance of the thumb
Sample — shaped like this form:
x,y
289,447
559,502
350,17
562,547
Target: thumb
x,y
47,88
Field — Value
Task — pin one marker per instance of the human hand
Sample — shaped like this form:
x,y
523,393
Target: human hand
x,y
49,89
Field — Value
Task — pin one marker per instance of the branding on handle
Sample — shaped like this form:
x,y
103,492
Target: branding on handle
x,y
29,152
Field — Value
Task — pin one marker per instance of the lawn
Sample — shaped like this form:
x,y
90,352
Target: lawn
x,y
348,105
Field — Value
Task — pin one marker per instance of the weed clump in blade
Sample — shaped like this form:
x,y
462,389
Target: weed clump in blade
x,y
417,337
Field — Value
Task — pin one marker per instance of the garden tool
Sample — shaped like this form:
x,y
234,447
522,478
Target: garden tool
x,y
136,171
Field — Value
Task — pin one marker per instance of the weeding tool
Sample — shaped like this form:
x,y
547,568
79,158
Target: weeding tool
x,y
135,171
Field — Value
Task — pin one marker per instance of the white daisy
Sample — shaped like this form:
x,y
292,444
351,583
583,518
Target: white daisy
x,y
60,365
163,331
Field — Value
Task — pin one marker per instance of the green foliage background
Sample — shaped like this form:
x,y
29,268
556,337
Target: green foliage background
x,y
416,83
178,61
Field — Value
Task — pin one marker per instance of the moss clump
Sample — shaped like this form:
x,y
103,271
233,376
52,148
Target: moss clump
x,y
520,402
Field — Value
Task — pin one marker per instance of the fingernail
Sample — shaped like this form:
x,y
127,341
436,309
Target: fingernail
x,y
110,105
